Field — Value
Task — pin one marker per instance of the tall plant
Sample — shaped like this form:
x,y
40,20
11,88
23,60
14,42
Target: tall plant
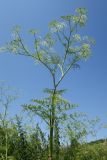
x,y
73,48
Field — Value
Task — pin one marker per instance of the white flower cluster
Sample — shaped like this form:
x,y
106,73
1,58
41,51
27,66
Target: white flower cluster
x,y
77,37
83,19
58,27
44,43
85,51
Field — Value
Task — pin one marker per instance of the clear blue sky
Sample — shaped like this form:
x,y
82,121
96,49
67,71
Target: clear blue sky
x,y
87,86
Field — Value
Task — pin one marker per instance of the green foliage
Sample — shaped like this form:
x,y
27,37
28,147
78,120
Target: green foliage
x,y
19,143
94,151
43,107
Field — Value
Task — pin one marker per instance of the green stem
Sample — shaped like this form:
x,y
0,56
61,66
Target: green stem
x,y
52,124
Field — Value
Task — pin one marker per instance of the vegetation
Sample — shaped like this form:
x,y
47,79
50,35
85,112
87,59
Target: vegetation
x,y
66,127
32,144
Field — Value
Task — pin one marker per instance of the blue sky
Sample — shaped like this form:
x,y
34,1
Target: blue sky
x,y
87,86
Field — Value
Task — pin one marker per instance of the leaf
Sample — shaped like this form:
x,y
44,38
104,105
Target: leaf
x,y
51,91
